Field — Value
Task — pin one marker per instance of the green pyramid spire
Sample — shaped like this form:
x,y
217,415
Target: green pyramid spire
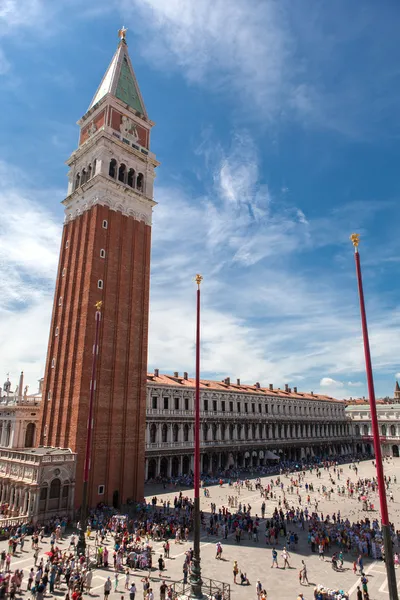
x,y
126,87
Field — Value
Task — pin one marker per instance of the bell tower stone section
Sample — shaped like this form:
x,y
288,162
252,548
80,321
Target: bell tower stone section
x,y
104,256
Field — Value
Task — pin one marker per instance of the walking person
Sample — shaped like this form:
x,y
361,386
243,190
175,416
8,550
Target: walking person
x,y
304,572
107,588
235,571
285,556
132,591
274,558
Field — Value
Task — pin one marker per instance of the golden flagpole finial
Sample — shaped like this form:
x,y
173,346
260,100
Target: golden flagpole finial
x,y
98,305
355,238
198,279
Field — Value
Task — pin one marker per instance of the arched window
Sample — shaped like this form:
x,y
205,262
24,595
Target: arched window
x,y
357,430
77,181
365,429
392,430
84,176
43,498
122,173
164,433
89,172
102,253
186,433
153,433
239,432
100,284
30,435
175,432
54,494
222,432
112,171
55,488
214,432
131,178
205,432
139,182
94,168
231,431
383,429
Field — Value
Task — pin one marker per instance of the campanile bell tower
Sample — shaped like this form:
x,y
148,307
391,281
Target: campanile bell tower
x,y
104,256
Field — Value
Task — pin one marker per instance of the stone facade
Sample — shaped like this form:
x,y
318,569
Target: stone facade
x,y
389,426
104,256
240,424
36,483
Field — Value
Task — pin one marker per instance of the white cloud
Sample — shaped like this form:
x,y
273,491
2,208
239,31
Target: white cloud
x,y
263,318
241,50
397,375
329,382
29,245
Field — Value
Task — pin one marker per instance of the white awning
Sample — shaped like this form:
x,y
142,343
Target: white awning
x,y
271,456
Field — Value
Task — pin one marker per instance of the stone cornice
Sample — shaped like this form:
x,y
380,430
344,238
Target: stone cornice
x,y
106,192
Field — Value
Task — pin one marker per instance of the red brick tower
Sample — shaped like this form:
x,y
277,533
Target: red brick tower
x,y
105,255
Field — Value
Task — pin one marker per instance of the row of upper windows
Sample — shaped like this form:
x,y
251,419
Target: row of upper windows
x,y
366,430
124,175
248,407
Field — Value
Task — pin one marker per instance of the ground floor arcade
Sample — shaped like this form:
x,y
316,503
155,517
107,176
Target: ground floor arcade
x,y
215,460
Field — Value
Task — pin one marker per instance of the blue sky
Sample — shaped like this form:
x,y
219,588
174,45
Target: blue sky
x,y
278,132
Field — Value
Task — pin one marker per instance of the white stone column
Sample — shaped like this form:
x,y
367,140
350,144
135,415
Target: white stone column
x,y
12,434
146,469
3,433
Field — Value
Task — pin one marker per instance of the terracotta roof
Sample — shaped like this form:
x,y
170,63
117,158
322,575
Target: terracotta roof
x,y
205,384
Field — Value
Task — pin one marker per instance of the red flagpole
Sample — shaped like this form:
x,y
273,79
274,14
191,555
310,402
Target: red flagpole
x,y
195,575
393,594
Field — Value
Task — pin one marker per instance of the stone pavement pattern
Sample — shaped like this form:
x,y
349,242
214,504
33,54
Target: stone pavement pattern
x,y
254,558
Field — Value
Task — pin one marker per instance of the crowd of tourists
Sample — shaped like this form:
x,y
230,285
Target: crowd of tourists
x,y
125,546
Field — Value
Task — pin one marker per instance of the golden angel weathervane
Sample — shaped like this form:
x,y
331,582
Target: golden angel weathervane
x,y
198,279
355,238
99,304
122,33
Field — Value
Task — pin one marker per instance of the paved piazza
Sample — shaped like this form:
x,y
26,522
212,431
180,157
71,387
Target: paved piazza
x,y
255,557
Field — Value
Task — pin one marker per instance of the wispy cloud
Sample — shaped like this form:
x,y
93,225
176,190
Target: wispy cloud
x,y
265,316
281,62
29,244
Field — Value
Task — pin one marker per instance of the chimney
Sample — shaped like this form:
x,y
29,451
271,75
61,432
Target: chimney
x,y
271,387
227,381
185,375
286,387
290,390
295,390
156,372
258,385
237,381
176,374
312,393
